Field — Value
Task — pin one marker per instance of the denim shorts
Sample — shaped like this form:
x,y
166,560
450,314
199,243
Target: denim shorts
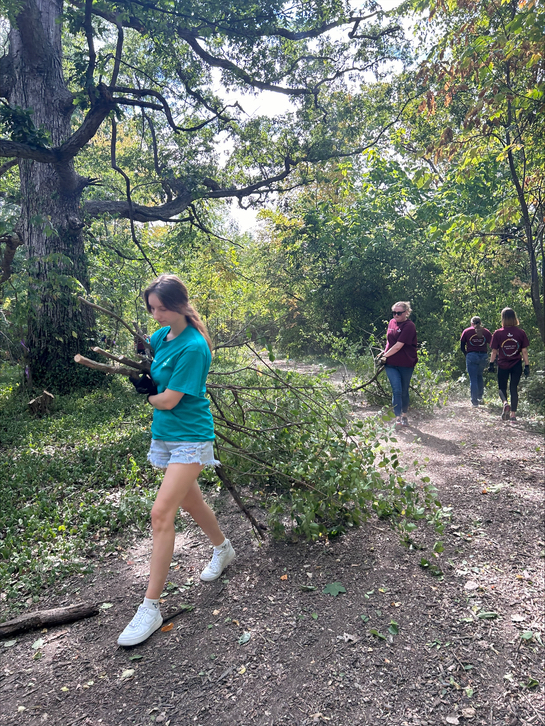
x,y
163,453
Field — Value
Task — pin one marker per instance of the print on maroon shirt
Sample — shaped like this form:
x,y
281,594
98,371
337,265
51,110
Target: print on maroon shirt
x,y
509,342
402,333
476,340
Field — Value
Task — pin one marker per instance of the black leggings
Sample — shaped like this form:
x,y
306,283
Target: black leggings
x,y
503,377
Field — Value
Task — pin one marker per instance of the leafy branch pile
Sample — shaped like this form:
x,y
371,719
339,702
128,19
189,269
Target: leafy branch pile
x,y
293,440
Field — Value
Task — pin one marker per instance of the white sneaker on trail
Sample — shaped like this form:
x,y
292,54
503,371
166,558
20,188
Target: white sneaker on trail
x,y
222,557
145,622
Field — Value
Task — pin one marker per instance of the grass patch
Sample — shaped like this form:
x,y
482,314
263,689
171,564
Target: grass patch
x,y
71,484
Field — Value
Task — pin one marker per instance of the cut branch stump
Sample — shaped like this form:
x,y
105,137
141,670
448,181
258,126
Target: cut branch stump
x,y
40,405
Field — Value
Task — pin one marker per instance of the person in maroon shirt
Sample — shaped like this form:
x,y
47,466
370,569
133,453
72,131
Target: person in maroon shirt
x,y
400,358
510,347
474,344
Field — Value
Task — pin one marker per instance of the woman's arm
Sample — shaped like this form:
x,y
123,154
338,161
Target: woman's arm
x,y
393,349
167,400
525,358
493,355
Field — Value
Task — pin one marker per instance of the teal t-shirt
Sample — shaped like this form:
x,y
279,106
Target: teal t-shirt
x,y
182,365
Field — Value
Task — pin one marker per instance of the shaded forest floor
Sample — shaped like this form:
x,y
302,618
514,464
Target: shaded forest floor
x,y
399,647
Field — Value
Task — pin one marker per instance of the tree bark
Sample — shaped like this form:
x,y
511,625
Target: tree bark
x,y
50,224
47,618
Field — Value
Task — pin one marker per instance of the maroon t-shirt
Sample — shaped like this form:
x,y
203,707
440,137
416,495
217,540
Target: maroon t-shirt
x,y
509,342
476,340
402,333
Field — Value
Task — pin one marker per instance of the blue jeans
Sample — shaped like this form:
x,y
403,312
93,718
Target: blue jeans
x,y
475,365
399,377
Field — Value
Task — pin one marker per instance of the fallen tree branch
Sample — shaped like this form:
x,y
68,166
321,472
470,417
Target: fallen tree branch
x,y
46,618
141,365
95,365
228,484
363,385
134,333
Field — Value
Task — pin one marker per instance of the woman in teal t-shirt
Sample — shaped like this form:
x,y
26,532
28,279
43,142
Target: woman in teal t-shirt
x,y
182,441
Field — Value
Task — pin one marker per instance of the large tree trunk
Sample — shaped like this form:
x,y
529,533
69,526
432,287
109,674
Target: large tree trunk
x,y
50,224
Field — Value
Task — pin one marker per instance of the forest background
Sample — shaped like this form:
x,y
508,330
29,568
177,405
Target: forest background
x,y
407,164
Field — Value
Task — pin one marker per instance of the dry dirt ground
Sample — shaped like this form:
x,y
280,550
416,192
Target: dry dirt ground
x,y
258,650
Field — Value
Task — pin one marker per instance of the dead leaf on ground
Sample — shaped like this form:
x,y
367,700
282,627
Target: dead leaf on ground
x,y
347,638
166,628
284,577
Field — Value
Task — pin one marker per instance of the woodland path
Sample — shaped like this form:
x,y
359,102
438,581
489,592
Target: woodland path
x,y
310,658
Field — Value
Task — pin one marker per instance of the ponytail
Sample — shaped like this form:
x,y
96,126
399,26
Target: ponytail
x,y
194,319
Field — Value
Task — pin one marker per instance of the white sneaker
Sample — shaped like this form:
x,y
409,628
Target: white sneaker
x,y
222,557
145,622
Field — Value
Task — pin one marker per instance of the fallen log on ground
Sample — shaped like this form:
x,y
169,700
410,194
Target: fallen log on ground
x,y
48,618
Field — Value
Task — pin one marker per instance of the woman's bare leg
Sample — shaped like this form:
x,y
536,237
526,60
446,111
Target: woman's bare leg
x,y
194,504
178,481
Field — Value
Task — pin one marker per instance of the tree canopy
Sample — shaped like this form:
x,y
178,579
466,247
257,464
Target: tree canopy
x,y
141,86
398,169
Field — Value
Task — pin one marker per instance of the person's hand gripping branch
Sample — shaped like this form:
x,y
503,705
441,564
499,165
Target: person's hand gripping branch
x,y
144,384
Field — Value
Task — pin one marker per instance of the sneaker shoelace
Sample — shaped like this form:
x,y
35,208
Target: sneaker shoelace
x,y
215,562
139,616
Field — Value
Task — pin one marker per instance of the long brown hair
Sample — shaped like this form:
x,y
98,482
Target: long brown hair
x,y
509,318
172,293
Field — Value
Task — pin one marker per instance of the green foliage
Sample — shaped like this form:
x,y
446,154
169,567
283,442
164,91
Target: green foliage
x,y
343,251
532,394
17,122
291,439
484,81
75,483
70,484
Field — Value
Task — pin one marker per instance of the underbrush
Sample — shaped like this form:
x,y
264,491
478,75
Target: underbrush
x,y
70,483
430,384
75,483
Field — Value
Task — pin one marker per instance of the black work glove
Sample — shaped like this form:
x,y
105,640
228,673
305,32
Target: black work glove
x,y
526,371
491,368
144,384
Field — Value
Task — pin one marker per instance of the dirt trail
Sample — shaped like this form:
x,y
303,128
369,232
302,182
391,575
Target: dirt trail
x,y
310,657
